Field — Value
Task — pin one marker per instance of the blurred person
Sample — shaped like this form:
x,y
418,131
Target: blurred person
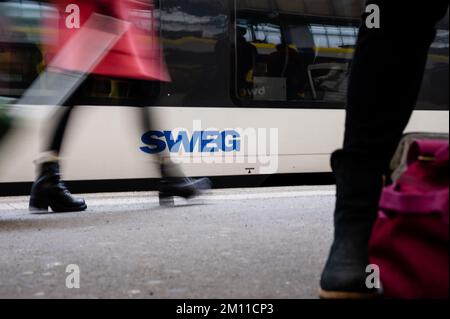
x,y
383,90
287,63
127,59
247,55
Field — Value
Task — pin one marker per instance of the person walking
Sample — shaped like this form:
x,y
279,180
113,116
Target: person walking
x,y
130,58
382,94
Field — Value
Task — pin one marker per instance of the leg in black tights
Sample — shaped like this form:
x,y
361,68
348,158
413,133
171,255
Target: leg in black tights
x,y
48,190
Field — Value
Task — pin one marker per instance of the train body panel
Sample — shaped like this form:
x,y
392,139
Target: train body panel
x,y
106,143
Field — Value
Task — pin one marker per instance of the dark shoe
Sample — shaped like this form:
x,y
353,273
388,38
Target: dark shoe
x,y
359,183
344,276
181,187
49,191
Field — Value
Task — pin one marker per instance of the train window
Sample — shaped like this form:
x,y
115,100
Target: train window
x,y
248,34
28,31
21,57
292,56
196,40
329,36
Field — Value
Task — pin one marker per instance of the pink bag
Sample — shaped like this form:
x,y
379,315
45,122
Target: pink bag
x,y
410,240
137,54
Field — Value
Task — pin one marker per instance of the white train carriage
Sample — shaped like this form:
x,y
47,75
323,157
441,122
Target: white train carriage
x,y
230,110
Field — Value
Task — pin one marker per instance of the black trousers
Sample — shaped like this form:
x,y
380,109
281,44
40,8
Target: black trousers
x,y
386,76
385,82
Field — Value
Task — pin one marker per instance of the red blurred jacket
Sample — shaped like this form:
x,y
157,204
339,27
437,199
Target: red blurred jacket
x,y
137,55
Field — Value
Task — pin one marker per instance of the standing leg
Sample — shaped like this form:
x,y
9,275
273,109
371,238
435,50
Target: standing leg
x,y
48,190
385,81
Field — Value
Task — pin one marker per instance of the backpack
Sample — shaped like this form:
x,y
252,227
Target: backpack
x,y
410,239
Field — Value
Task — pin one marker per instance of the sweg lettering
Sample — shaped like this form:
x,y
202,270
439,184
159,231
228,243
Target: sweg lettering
x,y
255,148
198,141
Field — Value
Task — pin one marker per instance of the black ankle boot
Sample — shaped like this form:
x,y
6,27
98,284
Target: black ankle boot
x,y
181,187
49,191
359,184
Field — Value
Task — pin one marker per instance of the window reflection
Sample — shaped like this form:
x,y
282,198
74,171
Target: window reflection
x,y
334,36
292,62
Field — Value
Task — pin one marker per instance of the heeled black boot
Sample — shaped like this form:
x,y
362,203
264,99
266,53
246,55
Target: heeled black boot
x,y
359,184
171,187
49,191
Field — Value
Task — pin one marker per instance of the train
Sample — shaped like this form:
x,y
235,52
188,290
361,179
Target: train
x,y
257,94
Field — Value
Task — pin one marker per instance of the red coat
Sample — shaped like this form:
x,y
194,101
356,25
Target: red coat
x,y
137,55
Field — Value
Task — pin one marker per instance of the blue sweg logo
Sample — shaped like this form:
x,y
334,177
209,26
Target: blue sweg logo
x,y
200,141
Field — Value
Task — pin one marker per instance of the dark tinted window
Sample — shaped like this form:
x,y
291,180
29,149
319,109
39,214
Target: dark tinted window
x,y
28,29
293,53
299,53
196,43
276,53
21,56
